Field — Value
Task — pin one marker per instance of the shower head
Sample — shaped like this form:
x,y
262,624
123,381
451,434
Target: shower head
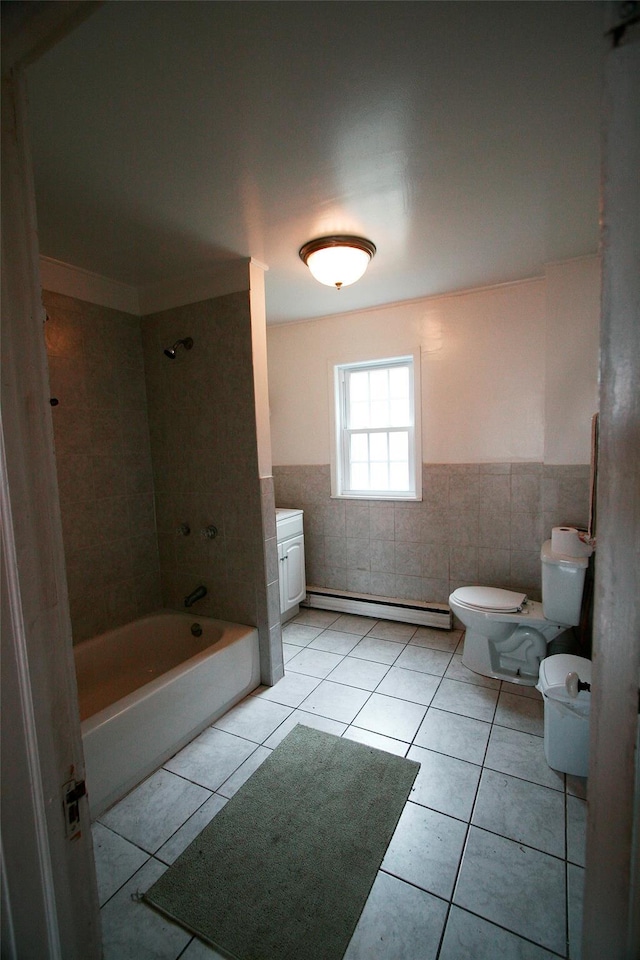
x,y
170,352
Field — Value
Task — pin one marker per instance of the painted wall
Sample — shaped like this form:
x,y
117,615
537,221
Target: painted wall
x,y
509,386
509,373
572,353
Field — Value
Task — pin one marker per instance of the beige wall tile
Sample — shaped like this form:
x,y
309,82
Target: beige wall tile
x,y
383,557
478,523
103,462
205,455
357,519
463,563
408,558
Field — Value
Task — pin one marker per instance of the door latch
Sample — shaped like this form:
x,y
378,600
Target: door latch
x,y
72,793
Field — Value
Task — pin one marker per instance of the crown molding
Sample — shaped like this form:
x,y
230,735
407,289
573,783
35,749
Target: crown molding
x,y
59,277
230,277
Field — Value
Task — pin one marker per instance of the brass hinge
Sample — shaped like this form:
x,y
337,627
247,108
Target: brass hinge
x,y
72,793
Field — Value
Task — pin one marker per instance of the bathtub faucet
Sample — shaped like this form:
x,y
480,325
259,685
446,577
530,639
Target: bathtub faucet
x,y
197,594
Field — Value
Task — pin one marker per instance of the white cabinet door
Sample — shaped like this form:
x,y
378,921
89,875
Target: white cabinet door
x,y
292,577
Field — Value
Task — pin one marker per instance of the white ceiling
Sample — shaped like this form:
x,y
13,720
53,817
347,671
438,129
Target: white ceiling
x,y
462,138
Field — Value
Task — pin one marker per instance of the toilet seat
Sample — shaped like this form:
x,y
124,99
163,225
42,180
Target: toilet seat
x,y
489,599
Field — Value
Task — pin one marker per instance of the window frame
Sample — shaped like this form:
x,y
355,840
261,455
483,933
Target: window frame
x,y
339,374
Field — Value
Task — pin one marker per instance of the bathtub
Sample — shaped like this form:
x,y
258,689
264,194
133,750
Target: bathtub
x,y
147,688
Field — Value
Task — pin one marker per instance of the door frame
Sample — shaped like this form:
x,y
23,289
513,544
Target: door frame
x,y
49,891
611,925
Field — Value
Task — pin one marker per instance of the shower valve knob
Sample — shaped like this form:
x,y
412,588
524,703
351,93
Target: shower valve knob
x,y
210,532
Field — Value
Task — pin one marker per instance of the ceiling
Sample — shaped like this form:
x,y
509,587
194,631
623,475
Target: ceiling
x,y
462,138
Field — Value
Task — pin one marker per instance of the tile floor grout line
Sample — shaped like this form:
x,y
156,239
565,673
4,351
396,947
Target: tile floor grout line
x,y
566,871
521,843
185,948
493,725
566,909
457,876
150,856
463,853
121,835
500,926
444,927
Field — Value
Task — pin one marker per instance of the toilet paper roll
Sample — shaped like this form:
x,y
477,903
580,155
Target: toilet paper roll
x,y
566,540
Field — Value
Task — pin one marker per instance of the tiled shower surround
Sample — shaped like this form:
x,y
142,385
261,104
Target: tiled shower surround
x,y
103,456
202,420
477,523
145,444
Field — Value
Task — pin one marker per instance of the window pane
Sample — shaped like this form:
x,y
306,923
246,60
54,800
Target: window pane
x,y
359,447
359,385
399,413
379,413
399,446
399,476
359,476
359,416
379,384
378,447
379,476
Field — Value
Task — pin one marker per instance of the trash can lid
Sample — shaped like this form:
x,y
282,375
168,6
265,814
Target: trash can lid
x,y
553,676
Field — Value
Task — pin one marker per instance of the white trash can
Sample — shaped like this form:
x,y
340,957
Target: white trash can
x,y
566,718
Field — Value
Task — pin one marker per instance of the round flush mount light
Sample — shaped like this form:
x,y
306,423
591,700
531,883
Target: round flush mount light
x,y
337,261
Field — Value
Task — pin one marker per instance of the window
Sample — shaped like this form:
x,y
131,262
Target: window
x,y
377,453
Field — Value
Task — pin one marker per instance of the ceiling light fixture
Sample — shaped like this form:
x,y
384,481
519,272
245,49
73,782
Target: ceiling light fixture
x,y
337,261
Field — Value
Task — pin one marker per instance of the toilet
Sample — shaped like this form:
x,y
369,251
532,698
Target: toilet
x,y
507,634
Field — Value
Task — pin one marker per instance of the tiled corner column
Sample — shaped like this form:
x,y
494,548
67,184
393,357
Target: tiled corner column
x,y
269,623
477,523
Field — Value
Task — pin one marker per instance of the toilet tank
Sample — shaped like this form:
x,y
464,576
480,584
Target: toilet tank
x,y
562,585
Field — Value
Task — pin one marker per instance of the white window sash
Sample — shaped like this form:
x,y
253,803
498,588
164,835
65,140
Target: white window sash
x,y
341,462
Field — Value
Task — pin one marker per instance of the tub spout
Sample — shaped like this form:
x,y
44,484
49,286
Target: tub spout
x,y
197,594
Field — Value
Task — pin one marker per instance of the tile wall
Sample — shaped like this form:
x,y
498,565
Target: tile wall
x,y
145,444
205,461
103,456
477,523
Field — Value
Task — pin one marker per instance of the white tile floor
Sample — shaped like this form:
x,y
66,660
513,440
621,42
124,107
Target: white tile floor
x,y
488,856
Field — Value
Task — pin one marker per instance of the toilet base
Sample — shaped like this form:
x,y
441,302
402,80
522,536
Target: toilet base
x,y
516,659
513,676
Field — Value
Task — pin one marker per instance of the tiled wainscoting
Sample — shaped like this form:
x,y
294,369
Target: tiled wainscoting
x,y
477,523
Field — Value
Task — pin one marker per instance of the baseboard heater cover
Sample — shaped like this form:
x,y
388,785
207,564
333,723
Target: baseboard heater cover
x,y
422,613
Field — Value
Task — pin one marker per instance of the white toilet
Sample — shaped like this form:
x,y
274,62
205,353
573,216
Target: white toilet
x,y
506,633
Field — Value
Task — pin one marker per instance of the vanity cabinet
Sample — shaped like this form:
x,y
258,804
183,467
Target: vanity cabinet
x,y
290,538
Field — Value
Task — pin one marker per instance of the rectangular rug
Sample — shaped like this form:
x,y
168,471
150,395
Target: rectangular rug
x,y
284,869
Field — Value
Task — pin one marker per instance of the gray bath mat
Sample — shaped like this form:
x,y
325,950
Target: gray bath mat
x,y
284,870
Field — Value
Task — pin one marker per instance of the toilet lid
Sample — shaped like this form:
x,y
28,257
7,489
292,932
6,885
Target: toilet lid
x,y
492,599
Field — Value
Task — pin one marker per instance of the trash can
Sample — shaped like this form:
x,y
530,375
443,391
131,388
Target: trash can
x,y
566,718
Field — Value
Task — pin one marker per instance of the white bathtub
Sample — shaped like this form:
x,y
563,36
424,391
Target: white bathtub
x,y
146,689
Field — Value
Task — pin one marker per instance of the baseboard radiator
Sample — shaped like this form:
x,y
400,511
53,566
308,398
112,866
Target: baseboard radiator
x,y
422,613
